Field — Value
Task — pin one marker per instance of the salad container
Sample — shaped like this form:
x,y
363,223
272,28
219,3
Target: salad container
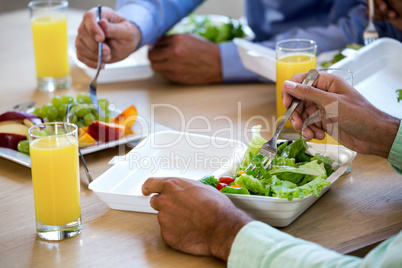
x,y
193,156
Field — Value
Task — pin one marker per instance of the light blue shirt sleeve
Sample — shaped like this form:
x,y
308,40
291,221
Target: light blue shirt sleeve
x,y
155,17
259,245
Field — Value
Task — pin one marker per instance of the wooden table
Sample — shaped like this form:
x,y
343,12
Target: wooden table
x,y
361,208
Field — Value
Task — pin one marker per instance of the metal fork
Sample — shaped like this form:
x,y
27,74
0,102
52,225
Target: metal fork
x,y
67,119
370,34
269,149
93,84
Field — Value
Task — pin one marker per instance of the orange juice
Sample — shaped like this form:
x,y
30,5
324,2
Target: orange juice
x,y
50,44
286,67
55,177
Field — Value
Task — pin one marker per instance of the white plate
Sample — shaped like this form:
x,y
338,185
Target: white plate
x,y
377,73
134,67
120,186
142,128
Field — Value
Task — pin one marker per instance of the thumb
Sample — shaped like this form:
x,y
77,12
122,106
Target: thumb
x,y
304,93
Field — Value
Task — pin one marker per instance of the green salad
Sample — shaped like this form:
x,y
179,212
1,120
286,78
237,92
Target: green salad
x,y
399,93
204,26
339,56
293,172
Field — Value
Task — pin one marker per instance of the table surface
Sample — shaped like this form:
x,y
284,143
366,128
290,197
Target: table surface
x,y
361,208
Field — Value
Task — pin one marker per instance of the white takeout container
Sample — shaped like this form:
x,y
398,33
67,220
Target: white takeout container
x,y
160,154
377,73
257,58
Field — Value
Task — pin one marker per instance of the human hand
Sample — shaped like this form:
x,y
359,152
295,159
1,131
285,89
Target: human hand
x,y
120,37
186,59
335,107
195,218
389,10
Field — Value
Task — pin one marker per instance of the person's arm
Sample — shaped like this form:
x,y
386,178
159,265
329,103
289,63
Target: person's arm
x,y
155,18
259,245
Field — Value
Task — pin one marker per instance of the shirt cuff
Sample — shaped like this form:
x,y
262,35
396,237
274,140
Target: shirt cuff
x,y
252,243
232,68
143,20
395,155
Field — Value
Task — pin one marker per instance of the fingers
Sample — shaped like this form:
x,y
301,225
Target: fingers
x,y
154,202
92,27
153,185
158,54
291,89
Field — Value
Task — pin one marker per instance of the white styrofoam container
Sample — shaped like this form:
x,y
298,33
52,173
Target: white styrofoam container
x,y
257,58
159,156
377,73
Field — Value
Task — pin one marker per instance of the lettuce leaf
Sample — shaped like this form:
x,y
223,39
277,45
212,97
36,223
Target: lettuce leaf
x,y
309,168
209,180
255,145
259,187
296,148
289,190
326,160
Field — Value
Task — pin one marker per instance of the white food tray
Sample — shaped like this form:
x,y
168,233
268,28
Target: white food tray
x,y
194,156
377,73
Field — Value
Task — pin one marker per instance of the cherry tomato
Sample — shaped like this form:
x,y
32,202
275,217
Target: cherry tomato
x,y
226,179
221,185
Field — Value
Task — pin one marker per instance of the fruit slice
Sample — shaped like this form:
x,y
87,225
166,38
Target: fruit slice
x,y
102,131
20,115
13,127
84,139
11,140
126,118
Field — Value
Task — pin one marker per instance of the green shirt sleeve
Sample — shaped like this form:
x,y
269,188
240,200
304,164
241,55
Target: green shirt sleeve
x,y
259,245
395,155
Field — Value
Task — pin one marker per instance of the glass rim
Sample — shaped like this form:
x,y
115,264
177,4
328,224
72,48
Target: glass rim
x,y
74,131
42,4
313,44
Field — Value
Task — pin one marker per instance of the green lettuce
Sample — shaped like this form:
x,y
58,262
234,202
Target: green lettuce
x,y
289,190
209,180
254,185
255,145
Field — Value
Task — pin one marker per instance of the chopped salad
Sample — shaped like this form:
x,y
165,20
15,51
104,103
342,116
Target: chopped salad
x,y
293,172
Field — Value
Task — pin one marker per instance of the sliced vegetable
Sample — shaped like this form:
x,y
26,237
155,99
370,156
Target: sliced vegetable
x,y
226,179
221,185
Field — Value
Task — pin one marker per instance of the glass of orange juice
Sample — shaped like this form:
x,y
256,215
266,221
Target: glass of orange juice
x,y
49,31
55,179
293,56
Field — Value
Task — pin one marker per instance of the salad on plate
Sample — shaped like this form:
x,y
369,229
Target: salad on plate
x,y
293,173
